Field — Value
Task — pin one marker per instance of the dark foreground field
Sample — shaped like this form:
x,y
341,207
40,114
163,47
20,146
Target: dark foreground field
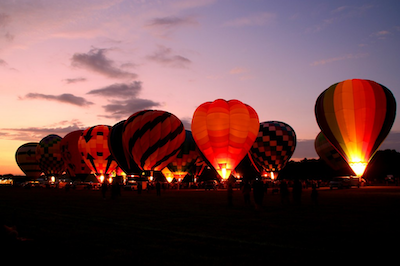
x,y
189,227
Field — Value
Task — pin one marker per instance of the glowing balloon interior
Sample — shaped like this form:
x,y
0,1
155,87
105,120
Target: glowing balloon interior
x,y
224,132
356,116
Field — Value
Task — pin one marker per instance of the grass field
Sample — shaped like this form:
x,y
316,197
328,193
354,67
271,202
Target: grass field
x,y
197,227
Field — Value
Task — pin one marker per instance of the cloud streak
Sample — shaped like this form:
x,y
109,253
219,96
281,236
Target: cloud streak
x,y
95,60
63,98
259,19
165,57
339,58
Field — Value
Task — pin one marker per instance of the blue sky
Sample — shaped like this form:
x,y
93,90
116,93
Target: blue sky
x,y
67,65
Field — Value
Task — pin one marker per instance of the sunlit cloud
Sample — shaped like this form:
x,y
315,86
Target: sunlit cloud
x,y
165,56
339,58
259,19
381,34
96,60
63,98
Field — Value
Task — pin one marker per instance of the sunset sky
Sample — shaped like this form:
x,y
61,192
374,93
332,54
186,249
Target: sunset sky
x,y
68,65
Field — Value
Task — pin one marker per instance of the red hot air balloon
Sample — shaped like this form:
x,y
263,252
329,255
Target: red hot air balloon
x,y
75,165
153,138
274,146
93,145
356,116
26,160
224,132
48,154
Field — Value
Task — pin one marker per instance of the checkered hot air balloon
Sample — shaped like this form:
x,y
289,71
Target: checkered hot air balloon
x,y
25,157
185,161
48,154
93,145
355,116
74,163
224,132
274,146
153,138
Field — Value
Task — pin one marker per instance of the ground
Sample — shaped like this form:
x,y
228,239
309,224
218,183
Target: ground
x,y
197,227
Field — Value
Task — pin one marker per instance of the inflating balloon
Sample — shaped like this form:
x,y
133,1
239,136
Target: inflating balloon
x,y
124,160
184,162
224,132
153,138
48,154
93,145
328,153
74,163
26,160
274,146
356,116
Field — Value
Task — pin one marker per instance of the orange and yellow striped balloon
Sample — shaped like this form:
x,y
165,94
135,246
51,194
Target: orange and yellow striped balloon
x,y
356,116
224,131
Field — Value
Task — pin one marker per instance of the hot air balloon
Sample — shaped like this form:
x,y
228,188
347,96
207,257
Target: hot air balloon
x,y
93,145
328,153
224,132
26,160
124,160
153,138
186,158
48,154
355,116
74,163
274,146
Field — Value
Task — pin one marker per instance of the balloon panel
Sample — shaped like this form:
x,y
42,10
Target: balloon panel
x,y
153,138
74,163
224,132
48,154
25,157
93,145
274,145
356,116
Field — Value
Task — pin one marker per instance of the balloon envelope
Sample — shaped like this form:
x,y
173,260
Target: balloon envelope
x,y
48,154
328,153
74,163
26,160
93,145
356,116
153,138
224,132
186,158
274,145
124,160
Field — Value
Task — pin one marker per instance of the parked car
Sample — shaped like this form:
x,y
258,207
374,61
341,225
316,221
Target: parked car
x,y
32,184
344,182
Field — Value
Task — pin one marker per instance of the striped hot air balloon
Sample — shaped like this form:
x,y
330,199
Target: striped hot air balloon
x,y
153,138
274,146
26,160
74,163
356,116
328,153
93,145
48,154
224,132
